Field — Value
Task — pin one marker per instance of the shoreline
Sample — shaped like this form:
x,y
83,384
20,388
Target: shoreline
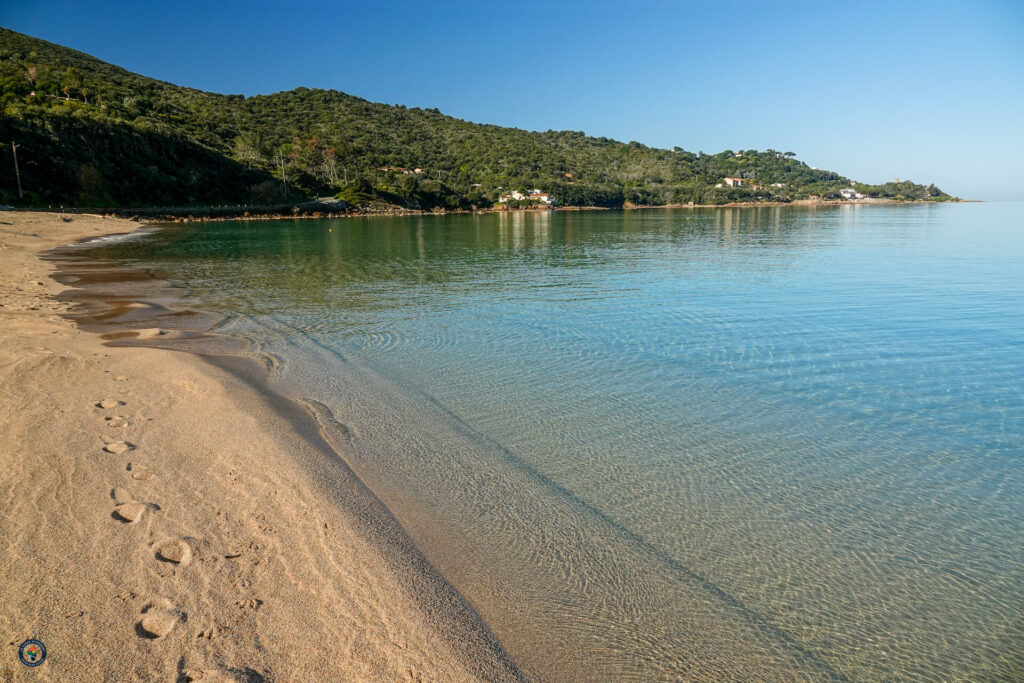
x,y
292,212
278,544
796,202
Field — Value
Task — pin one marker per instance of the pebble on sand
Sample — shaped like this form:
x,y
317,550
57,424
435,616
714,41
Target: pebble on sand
x,y
149,333
117,447
109,403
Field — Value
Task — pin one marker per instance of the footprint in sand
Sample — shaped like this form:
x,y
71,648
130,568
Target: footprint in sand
x,y
118,447
194,674
177,551
121,496
108,403
130,512
115,421
217,676
139,472
159,618
211,633
127,509
187,385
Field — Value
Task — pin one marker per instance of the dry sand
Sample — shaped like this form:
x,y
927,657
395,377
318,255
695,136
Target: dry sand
x,y
160,520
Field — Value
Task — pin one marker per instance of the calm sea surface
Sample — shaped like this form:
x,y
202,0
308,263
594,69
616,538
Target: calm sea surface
x,y
741,443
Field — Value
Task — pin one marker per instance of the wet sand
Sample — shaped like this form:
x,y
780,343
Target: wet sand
x,y
162,519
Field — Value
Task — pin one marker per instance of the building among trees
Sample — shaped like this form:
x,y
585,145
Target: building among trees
x,y
535,195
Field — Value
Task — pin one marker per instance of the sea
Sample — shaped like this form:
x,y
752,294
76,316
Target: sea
x,y
777,443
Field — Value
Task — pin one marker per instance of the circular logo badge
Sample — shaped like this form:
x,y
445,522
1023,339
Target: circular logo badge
x,y
32,653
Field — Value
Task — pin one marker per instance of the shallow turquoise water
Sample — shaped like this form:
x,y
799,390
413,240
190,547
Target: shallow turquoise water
x,y
774,442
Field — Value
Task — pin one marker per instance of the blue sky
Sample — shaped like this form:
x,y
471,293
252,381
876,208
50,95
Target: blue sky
x,y
931,91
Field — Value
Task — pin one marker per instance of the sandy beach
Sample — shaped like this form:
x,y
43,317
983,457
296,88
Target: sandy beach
x,y
161,521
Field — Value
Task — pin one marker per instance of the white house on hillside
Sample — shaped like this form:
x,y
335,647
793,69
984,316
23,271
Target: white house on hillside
x,y
542,197
535,195
850,193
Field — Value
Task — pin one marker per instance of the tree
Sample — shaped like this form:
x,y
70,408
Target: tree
x,y
72,81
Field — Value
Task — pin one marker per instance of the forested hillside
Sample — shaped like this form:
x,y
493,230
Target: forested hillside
x,y
92,134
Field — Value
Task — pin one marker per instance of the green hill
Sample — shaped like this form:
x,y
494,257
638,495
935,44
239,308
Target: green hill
x,y
93,134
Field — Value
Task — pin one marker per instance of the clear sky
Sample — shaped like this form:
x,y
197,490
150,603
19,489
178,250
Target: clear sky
x,y
930,91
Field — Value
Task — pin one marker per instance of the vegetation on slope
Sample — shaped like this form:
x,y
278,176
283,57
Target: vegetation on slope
x,y
93,134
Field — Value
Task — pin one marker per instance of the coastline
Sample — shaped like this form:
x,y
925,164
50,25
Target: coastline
x,y
870,201
292,212
287,566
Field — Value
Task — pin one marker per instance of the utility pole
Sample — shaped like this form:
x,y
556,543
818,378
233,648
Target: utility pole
x,y
17,175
